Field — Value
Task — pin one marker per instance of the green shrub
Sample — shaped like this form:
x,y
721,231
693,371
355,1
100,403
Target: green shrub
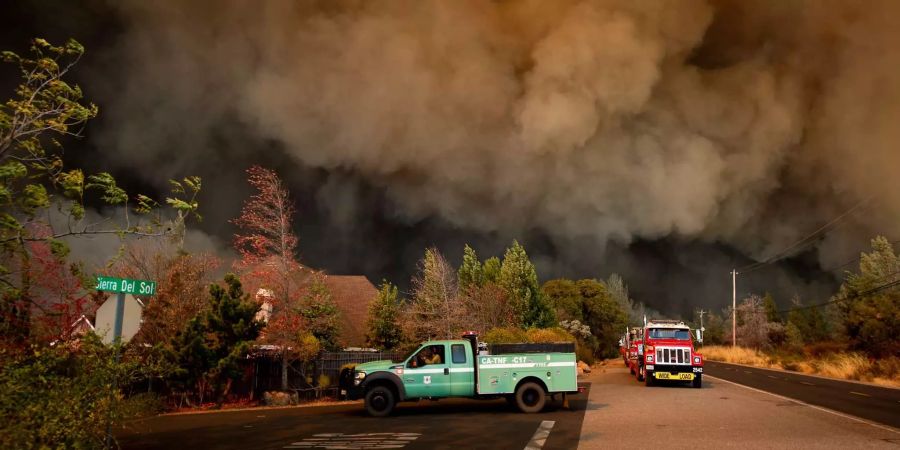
x,y
507,335
143,404
549,335
583,353
59,397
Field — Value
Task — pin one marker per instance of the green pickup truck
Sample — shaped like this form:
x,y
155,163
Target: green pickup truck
x,y
524,374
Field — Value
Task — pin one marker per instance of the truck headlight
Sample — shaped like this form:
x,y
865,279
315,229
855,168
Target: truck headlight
x,y
696,360
649,358
358,377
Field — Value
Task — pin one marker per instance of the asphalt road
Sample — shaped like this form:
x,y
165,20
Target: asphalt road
x,y
625,414
457,423
619,413
878,404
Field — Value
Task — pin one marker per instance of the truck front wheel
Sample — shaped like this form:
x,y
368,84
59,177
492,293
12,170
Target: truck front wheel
x,y
641,374
697,383
380,401
530,397
648,379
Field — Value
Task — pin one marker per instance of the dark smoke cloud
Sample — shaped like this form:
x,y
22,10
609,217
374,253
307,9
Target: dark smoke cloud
x,y
668,140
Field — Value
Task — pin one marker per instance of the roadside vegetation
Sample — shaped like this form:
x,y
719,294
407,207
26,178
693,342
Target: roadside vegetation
x,y
855,335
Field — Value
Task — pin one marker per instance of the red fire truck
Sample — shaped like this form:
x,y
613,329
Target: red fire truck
x,y
668,354
634,350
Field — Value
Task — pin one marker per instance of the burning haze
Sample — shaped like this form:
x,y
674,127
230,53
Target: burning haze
x,y
665,140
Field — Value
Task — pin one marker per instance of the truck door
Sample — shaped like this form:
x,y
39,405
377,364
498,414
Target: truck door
x,y
462,372
427,373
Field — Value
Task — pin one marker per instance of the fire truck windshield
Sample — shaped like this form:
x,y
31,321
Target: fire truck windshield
x,y
670,333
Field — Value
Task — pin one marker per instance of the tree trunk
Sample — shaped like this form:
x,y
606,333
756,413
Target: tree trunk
x,y
284,370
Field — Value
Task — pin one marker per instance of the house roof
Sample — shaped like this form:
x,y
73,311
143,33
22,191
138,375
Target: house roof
x,y
352,294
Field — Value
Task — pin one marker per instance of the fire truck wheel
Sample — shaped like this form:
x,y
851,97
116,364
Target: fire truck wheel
x,y
648,381
380,401
530,397
697,383
640,375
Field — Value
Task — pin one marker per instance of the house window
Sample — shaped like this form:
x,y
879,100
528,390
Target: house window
x,y
459,353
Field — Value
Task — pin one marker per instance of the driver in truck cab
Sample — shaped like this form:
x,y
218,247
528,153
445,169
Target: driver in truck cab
x,y
429,355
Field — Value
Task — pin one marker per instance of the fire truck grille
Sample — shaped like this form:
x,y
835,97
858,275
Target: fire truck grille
x,y
677,355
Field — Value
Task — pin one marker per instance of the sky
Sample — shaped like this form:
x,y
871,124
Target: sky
x,y
667,141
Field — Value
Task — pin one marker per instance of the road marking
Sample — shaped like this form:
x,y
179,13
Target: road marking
x,y
540,435
830,411
355,441
747,371
808,384
860,393
770,376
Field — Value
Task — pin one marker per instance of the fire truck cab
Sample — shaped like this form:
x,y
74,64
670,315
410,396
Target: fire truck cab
x,y
669,354
634,351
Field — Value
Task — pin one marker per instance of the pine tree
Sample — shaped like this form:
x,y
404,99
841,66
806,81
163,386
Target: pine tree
x,y
871,312
321,315
470,272
490,271
211,347
519,279
771,309
383,325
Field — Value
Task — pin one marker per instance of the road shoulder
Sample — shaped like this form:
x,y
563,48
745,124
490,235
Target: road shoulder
x,y
721,415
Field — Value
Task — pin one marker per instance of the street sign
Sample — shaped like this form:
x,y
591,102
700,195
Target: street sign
x,y
126,286
129,320
116,310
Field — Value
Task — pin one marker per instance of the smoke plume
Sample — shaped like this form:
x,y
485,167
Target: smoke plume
x,y
718,128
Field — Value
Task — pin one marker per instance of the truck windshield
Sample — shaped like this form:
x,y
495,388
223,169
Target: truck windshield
x,y
407,355
670,333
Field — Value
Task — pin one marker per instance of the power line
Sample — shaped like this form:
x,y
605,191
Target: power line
x,y
808,239
854,259
880,288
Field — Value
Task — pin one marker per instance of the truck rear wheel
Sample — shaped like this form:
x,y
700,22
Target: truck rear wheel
x,y
530,397
698,382
380,401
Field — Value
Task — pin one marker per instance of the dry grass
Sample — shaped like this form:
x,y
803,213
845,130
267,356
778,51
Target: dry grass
x,y
738,355
843,365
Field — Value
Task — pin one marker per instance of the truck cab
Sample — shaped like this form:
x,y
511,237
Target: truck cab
x,y
635,351
456,368
669,354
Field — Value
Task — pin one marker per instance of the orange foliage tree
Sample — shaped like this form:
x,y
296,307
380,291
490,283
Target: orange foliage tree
x,y
268,263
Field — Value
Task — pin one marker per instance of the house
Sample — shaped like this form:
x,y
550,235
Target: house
x,y
352,294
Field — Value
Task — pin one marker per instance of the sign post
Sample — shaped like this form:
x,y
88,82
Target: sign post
x,y
122,286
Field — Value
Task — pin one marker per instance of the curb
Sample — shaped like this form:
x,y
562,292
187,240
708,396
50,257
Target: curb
x,y
259,408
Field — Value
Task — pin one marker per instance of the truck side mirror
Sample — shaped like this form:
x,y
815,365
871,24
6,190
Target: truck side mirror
x,y
699,335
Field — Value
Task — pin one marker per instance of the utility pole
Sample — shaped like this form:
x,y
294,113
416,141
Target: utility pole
x,y
733,308
701,312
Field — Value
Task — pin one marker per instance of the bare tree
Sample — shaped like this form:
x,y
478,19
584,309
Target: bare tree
x,y
435,309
